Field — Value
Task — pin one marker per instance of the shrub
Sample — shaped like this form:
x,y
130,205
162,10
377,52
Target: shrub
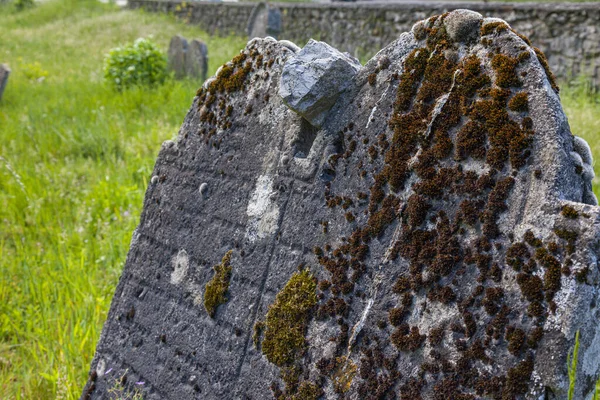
x,y
34,71
21,5
139,64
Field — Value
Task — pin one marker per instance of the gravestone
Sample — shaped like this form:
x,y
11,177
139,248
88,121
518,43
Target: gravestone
x,y
188,58
178,47
433,235
4,73
264,20
196,59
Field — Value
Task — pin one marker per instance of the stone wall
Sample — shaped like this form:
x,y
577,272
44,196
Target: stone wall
x,y
569,34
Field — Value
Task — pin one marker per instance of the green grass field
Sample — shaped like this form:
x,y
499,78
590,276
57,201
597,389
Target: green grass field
x,y
74,162
75,158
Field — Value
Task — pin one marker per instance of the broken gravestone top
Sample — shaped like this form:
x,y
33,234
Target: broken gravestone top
x,y
4,73
432,240
312,81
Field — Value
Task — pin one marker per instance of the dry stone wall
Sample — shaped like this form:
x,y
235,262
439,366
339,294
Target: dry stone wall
x,y
429,232
569,34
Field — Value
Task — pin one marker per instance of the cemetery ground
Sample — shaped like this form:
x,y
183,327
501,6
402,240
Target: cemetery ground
x,y
75,160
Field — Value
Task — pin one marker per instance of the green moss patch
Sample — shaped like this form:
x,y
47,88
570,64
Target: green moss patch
x,y
215,292
287,319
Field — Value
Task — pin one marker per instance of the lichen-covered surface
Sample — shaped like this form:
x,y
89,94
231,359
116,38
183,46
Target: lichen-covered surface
x,y
430,241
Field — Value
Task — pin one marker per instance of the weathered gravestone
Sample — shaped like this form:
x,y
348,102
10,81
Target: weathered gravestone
x,y
4,73
196,60
430,241
264,20
176,55
188,58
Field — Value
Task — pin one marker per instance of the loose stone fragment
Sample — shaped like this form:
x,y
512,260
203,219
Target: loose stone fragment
x,y
312,81
463,25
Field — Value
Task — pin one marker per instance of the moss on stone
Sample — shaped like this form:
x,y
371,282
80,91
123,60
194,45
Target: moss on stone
x,y
344,374
307,391
519,102
287,319
569,212
215,292
544,61
259,326
505,68
493,27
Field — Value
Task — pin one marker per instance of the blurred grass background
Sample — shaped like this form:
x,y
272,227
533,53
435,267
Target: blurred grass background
x,y
75,158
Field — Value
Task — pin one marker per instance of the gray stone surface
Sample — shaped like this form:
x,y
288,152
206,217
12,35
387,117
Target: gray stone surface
x,y
448,229
264,20
313,80
463,25
196,59
4,73
178,47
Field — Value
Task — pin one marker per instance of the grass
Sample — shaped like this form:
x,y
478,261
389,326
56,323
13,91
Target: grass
x,y
572,359
75,158
572,367
583,110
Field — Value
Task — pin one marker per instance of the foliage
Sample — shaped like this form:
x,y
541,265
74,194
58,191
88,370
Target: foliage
x,y
76,158
572,372
572,367
21,5
117,391
596,395
582,106
139,64
34,71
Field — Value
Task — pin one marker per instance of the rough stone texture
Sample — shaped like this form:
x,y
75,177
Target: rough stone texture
x,y
569,33
439,207
265,20
4,73
196,59
313,80
178,47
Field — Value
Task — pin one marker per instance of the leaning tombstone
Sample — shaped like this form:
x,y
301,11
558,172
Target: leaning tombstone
x,y
426,230
264,20
196,59
4,73
176,56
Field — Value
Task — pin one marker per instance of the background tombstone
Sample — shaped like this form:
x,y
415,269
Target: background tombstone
x,y
4,73
177,49
196,59
264,21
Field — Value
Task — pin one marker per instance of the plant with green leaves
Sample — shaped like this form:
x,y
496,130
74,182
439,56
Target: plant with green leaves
x,y
139,64
572,371
572,366
21,5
